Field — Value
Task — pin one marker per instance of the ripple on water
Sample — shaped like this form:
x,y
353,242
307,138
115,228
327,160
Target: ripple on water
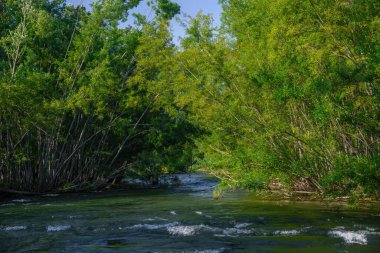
x,y
200,251
238,229
57,228
234,232
12,228
155,219
205,251
209,251
153,226
8,204
50,195
21,200
202,214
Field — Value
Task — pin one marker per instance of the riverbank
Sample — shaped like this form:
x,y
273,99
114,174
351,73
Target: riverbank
x,y
183,181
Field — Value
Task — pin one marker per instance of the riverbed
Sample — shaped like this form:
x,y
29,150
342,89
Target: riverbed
x,y
183,218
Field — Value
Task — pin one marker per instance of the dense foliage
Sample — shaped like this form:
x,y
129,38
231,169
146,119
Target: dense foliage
x,y
284,96
287,92
68,115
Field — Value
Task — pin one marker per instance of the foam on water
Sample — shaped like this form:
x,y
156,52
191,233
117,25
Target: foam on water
x,y
239,229
175,228
57,228
350,237
242,225
287,232
149,219
173,213
371,229
13,228
353,237
190,230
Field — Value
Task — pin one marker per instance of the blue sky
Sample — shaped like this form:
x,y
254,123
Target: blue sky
x,y
190,7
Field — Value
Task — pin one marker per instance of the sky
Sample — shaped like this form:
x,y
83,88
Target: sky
x,y
189,7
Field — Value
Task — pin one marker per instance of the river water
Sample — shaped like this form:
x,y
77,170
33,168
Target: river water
x,y
182,219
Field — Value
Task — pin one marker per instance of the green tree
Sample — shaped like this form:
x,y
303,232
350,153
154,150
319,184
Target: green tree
x,y
79,119
286,92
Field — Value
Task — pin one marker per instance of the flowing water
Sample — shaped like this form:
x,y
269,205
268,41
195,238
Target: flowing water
x,y
182,219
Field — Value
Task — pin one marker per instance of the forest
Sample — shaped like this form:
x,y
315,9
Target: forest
x,y
283,97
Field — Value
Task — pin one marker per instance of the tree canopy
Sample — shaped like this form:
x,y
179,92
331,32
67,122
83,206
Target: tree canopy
x,y
284,94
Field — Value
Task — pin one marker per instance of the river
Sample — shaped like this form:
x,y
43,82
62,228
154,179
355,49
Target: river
x,y
184,218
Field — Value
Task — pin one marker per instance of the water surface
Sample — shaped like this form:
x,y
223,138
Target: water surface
x,y
182,219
